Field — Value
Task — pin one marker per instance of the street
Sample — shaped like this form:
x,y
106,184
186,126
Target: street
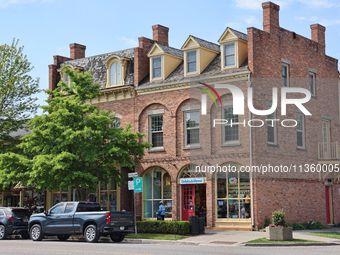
x,y
54,247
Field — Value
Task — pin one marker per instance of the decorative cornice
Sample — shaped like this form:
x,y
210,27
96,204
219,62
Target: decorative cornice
x,y
114,94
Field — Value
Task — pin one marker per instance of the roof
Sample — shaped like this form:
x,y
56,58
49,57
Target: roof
x,y
96,63
206,44
19,133
171,50
239,34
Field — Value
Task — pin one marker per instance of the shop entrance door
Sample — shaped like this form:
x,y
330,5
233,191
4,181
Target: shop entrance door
x,y
188,201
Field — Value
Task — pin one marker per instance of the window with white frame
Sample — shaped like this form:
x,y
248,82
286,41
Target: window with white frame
x,y
230,133
156,130
115,74
157,67
285,75
229,55
271,129
191,61
300,128
192,128
312,83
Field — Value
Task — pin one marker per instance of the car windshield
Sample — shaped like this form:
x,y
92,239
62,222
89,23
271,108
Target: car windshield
x,y
21,213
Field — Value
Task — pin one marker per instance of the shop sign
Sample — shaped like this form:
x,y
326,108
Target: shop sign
x,y
191,180
134,174
130,185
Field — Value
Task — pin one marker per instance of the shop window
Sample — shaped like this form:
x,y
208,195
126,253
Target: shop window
x,y
233,193
190,172
157,187
108,195
230,132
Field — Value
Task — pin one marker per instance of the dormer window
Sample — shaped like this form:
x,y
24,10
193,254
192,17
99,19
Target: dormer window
x,y
115,70
115,74
67,79
191,61
229,54
64,77
156,67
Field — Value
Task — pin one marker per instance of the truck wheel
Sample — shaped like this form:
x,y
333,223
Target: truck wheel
x,y
91,234
3,234
63,237
117,238
36,233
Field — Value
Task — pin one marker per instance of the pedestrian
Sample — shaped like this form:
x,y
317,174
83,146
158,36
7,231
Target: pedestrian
x,y
161,209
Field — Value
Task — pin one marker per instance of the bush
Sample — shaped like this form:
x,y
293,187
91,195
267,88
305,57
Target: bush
x,y
266,221
307,225
163,227
298,226
279,218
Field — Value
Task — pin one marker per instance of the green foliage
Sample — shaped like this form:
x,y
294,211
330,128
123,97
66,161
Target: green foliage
x,y
298,226
266,221
307,225
279,218
72,144
163,227
17,88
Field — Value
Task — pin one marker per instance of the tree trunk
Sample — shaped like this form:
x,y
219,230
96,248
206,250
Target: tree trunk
x,y
83,194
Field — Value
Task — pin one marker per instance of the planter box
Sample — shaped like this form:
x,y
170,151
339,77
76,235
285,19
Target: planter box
x,y
279,234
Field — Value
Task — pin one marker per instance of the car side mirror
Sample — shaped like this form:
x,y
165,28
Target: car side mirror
x,y
46,213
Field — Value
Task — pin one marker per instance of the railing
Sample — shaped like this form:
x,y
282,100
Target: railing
x,y
328,151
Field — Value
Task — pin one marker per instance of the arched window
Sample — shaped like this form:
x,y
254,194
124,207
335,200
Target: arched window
x,y
233,192
190,172
157,187
115,74
115,123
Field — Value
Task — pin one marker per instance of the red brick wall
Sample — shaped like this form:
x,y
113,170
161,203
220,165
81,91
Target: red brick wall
x,y
77,51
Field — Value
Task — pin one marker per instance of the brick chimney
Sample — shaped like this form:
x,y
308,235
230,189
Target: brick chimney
x,y
270,17
318,34
160,34
141,60
77,51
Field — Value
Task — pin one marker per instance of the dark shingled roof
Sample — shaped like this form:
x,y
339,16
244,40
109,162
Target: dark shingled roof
x,y
99,70
19,133
239,34
206,44
170,50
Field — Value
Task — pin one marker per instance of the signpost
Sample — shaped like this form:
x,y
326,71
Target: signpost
x,y
137,186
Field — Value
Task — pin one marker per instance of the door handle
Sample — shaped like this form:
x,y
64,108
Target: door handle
x,y
57,217
70,216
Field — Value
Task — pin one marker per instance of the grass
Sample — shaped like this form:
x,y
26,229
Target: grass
x,y
156,236
264,240
335,235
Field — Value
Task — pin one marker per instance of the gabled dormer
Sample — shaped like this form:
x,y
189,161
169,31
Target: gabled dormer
x,y
163,60
198,54
234,48
115,70
63,76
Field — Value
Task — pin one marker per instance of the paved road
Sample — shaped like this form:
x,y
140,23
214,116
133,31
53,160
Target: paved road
x,y
54,247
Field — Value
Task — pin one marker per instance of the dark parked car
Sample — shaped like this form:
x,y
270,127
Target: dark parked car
x,y
13,221
86,218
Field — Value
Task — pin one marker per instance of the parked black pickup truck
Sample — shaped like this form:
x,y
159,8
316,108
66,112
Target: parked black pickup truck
x,y
86,218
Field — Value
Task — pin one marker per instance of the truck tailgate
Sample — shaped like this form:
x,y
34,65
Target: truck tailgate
x,y
122,219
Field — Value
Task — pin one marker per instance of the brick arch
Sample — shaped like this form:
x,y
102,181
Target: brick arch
x,y
172,170
182,168
151,105
143,117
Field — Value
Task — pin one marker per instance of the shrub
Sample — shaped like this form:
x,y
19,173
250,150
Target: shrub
x,y
298,226
163,227
307,225
266,221
279,218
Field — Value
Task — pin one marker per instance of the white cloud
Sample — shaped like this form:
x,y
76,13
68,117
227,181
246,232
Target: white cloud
x,y
251,19
319,3
130,42
6,3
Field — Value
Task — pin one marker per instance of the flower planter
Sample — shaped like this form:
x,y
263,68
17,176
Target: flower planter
x,y
279,233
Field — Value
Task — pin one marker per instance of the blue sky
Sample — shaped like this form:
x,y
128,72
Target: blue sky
x,y
47,27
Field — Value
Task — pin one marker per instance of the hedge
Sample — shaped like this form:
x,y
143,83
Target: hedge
x,y
163,227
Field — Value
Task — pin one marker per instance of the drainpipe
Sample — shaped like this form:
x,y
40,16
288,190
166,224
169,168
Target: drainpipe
x,y
251,165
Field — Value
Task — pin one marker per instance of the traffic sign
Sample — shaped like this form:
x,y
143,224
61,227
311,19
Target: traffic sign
x,y
138,184
130,185
134,174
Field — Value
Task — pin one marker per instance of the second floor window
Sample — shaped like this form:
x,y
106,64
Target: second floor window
x,y
191,59
115,123
229,52
231,133
312,83
192,128
157,67
115,74
156,131
271,125
300,131
285,75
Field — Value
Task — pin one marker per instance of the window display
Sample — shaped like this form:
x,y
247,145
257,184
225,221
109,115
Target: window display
x,y
233,194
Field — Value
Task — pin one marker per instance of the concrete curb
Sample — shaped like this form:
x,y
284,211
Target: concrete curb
x,y
290,244
133,240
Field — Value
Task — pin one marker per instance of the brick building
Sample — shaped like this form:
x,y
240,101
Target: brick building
x,y
160,90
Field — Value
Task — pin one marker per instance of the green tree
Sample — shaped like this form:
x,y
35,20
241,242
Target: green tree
x,y
17,88
72,144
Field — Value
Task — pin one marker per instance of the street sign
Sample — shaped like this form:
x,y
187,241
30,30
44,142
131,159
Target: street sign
x,y
138,184
130,185
134,174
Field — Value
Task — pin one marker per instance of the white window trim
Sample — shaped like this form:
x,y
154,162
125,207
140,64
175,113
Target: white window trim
x,y
187,63
194,145
269,104
223,55
150,115
288,67
314,83
123,66
115,74
233,142
303,132
151,68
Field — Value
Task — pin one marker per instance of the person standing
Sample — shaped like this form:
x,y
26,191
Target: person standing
x,y
161,210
